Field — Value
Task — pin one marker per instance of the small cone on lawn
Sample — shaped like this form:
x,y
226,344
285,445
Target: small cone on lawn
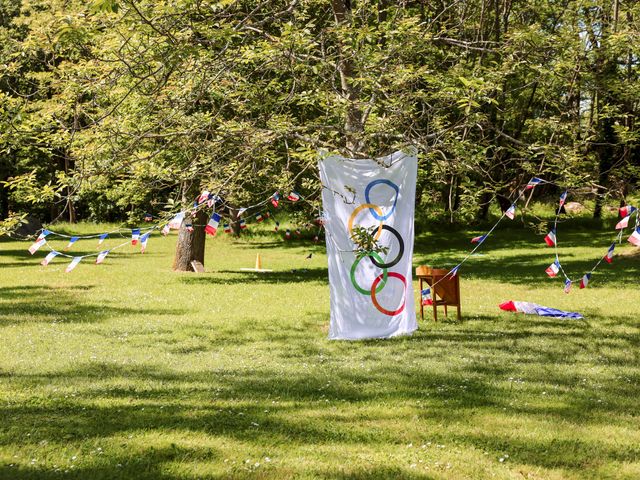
x,y
258,262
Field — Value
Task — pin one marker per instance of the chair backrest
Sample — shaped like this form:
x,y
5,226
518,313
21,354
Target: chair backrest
x,y
448,289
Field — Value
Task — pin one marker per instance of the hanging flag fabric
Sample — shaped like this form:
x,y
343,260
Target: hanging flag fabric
x,y
36,245
267,215
624,223
148,217
563,199
176,221
609,256
212,225
101,256
74,263
535,309
553,269
143,241
511,212
102,238
584,281
425,297
315,239
227,228
298,232
165,230
550,239
259,217
277,227
275,200
293,197
135,236
43,234
634,239
454,271
627,210
479,239
370,295
50,256
72,240
567,285
534,182
243,224
188,227
287,234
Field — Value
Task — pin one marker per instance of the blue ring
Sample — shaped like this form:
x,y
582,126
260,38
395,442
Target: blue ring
x,y
395,200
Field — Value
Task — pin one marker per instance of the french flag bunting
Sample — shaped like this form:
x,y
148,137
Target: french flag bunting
x,y
275,198
188,227
553,269
212,225
176,221
511,212
609,256
624,223
315,239
102,238
293,197
634,239
563,199
227,228
567,285
101,256
287,234
72,240
50,256
267,215
627,210
425,296
36,245
143,241
277,227
204,196
43,234
259,217
478,239
584,281
550,239
135,236
454,272
165,230
148,217
74,263
298,232
243,224
535,181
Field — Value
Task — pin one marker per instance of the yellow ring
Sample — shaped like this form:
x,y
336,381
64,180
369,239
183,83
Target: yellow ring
x,y
355,213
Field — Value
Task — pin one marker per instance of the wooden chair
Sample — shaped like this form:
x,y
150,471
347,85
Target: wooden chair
x,y
446,291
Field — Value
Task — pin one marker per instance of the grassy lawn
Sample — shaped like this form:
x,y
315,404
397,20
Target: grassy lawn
x,y
128,370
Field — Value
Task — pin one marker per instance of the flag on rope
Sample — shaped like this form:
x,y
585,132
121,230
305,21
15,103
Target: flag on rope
x,y
275,198
165,230
293,197
550,239
511,212
243,224
135,236
535,309
227,228
259,217
74,263
624,223
189,227
478,239
148,217
609,256
72,240
176,221
43,234
101,256
563,198
425,296
143,241
315,239
36,245
553,269
50,256
277,227
267,215
204,196
212,225
567,285
298,232
634,239
534,182
584,281
287,234
627,210
102,238
454,272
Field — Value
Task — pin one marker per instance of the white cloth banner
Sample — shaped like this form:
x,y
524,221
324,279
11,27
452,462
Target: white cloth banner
x,y
371,296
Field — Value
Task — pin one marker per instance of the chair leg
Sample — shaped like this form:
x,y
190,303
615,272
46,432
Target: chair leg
x,y
446,314
435,311
459,314
421,305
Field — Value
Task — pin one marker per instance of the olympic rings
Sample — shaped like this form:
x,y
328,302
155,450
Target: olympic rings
x,y
353,275
392,263
355,213
395,200
391,313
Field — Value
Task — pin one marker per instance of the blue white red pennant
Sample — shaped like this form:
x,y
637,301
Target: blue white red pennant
x,y
624,223
102,238
293,197
277,227
627,210
227,228
567,285
550,239
50,256
298,232
259,217
36,245
43,234
534,182
135,236
584,281
143,241
425,296
287,234
634,239
188,227
553,269
454,271
101,256
563,199
243,224
511,212
479,239
74,263
609,256
212,225
72,240
275,198
148,217
165,230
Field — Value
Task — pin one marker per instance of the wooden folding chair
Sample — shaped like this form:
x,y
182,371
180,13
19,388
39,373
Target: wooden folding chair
x,y
445,290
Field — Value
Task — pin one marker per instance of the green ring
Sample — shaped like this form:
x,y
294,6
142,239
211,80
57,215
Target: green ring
x,y
353,274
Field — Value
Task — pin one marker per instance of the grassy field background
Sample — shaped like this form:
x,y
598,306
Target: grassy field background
x,y
128,370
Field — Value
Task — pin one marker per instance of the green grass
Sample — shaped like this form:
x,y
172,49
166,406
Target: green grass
x,y
128,370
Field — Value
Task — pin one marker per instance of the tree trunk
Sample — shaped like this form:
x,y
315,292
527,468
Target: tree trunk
x,y
235,221
190,245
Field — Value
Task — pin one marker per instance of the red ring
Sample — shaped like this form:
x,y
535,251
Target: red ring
x,y
391,313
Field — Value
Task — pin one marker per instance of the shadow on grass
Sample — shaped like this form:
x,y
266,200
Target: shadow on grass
x,y
234,277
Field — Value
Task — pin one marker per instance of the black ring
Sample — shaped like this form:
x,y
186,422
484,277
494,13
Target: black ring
x,y
400,253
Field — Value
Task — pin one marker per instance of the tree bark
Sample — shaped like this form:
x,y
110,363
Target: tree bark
x,y
190,245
